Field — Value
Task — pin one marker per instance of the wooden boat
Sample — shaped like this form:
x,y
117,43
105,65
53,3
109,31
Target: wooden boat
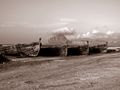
x,y
32,49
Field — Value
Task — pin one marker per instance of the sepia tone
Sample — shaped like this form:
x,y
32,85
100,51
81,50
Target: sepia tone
x,y
59,44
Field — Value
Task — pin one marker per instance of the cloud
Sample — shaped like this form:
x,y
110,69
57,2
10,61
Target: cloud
x,y
64,30
78,36
95,31
8,24
67,20
109,32
88,34
32,25
56,24
52,25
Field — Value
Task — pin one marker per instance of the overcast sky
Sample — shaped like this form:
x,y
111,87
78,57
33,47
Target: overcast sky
x,y
22,20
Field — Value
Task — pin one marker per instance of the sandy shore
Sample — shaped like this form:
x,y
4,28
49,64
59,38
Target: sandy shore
x,y
101,72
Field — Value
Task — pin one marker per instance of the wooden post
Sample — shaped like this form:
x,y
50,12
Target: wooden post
x,y
40,44
63,51
85,48
106,44
66,48
87,51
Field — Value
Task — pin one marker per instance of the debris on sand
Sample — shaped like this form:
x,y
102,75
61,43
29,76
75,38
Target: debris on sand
x,y
3,59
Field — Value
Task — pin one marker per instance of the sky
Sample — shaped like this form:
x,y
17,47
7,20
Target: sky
x,y
27,20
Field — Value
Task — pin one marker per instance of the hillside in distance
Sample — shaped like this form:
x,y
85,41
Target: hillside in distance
x,y
69,34
112,38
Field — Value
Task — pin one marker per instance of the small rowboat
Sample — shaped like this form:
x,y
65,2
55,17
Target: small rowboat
x,y
28,49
